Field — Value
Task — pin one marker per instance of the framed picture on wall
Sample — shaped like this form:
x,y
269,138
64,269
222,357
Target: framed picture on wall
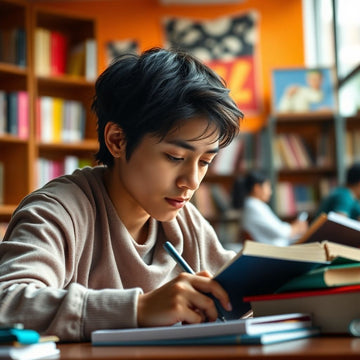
x,y
303,90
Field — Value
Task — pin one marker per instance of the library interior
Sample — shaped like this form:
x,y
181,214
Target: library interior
x,y
292,67
52,51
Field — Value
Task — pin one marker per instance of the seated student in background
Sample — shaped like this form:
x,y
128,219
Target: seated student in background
x,y
252,193
85,252
345,199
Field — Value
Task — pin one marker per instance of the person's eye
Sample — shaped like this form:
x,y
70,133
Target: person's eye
x,y
174,158
205,162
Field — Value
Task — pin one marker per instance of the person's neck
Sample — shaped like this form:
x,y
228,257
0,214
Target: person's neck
x,y
134,218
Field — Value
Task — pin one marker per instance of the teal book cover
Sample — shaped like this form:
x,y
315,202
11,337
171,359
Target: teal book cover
x,y
324,277
21,336
254,275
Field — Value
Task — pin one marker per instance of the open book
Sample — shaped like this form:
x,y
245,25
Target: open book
x,y
333,227
263,268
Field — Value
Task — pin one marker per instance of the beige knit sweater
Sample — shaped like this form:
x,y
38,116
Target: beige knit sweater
x,y
68,265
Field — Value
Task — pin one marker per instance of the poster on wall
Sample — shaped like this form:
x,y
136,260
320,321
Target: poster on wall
x,y
303,90
115,48
228,46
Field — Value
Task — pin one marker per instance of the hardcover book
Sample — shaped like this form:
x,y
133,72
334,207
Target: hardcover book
x,y
333,227
263,268
333,310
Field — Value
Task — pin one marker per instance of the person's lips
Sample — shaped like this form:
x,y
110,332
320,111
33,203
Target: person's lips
x,y
177,203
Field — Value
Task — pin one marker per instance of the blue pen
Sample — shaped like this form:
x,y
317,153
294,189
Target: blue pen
x,y
186,267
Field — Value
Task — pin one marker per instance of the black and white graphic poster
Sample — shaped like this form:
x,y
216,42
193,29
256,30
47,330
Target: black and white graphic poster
x,y
227,45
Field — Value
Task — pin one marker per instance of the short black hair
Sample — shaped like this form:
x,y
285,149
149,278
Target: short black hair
x,y
353,174
244,185
156,91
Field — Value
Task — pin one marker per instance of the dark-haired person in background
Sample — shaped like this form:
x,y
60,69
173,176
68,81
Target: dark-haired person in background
x,y
345,199
85,252
252,193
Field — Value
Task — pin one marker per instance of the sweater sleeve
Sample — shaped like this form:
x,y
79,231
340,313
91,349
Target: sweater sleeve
x,y
38,278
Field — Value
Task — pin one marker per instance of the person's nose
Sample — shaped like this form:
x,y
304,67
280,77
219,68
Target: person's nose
x,y
190,178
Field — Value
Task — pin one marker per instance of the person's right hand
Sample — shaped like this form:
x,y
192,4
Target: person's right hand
x,y
299,227
182,300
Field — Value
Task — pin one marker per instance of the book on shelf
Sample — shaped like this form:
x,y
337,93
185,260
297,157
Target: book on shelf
x,y
245,152
50,169
90,59
301,150
293,151
58,53
60,120
333,227
13,46
290,199
3,112
57,119
12,113
325,146
23,115
333,309
244,330
42,51
8,45
21,49
83,60
285,199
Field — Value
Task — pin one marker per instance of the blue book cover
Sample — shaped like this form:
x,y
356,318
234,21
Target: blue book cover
x,y
244,339
249,274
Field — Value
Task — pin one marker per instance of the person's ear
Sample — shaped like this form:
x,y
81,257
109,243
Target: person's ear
x,y
257,190
115,139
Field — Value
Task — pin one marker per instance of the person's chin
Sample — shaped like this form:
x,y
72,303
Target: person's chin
x,y
169,216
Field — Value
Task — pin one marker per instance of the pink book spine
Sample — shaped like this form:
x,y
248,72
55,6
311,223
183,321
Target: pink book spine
x,y
23,115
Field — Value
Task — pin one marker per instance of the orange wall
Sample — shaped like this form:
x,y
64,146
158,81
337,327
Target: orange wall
x,y
280,31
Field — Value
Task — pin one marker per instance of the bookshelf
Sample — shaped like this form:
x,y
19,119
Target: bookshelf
x,y
213,198
69,84
300,185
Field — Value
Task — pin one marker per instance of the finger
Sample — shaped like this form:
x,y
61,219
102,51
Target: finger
x,y
209,286
205,273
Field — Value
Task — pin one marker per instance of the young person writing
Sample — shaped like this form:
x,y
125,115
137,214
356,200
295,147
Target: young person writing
x,y
86,252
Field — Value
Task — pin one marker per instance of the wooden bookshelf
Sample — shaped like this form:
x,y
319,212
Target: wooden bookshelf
x,y
19,156
318,174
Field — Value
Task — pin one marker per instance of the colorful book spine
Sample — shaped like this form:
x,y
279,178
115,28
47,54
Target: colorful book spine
x,y
23,115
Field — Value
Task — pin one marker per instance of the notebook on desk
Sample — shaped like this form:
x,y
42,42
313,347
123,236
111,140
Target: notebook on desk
x,y
204,332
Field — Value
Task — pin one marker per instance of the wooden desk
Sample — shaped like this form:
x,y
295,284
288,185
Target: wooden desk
x,y
315,348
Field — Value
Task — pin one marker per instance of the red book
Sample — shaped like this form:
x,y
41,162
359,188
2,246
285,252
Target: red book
x,y
333,309
58,49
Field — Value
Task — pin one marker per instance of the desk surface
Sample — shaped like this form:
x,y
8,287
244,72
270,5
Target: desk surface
x,y
313,348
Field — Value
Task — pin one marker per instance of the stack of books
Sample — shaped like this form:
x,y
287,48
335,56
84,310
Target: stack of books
x,y
329,292
19,343
261,330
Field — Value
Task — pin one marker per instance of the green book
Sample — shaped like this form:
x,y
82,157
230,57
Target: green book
x,y
324,277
